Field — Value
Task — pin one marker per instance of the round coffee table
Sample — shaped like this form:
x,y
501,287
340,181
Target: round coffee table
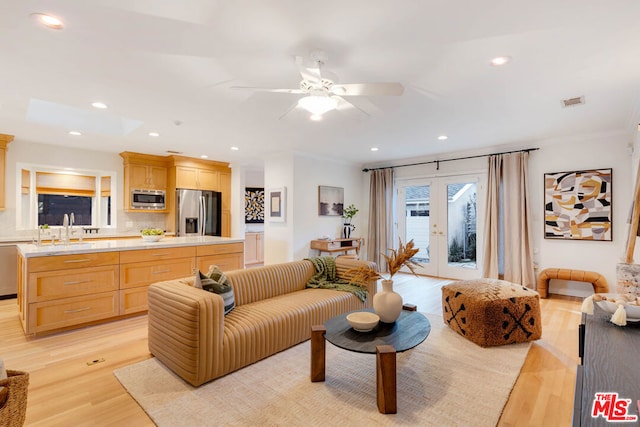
x,y
385,340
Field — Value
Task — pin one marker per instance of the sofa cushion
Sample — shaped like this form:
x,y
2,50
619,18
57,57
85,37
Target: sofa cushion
x,y
216,282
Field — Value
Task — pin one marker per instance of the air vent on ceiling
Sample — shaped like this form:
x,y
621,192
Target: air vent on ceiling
x,y
173,152
572,101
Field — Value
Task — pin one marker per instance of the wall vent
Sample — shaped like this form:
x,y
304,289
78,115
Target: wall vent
x,y
572,102
173,152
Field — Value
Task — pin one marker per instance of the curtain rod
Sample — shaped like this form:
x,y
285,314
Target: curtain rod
x,y
437,162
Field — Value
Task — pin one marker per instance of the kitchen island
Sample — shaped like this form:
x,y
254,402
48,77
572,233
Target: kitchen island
x,y
66,286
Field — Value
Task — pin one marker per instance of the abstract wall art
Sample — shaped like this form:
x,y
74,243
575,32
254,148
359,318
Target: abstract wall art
x,y
577,205
277,204
253,205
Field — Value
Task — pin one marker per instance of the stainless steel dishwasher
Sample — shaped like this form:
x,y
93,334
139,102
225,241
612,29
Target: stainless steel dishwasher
x,y
8,270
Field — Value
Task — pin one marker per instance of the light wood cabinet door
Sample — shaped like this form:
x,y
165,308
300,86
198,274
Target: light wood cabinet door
x,y
134,300
208,180
56,314
49,285
226,262
187,177
253,248
145,273
147,177
138,176
157,177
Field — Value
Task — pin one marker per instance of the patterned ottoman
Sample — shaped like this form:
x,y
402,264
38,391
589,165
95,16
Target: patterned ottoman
x,y
492,312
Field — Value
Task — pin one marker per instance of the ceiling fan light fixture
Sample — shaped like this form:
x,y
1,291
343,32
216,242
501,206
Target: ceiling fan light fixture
x,y
318,105
316,117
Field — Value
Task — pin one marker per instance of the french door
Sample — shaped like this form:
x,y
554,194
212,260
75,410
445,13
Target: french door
x,y
443,217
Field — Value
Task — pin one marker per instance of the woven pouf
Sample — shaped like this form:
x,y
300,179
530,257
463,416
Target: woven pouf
x,y
492,312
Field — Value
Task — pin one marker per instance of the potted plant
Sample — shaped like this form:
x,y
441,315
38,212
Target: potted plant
x,y
388,304
348,213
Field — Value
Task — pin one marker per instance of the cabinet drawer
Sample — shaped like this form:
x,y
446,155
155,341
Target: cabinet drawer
x,y
134,300
50,285
224,248
225,262
48,315
64,262
145,273
156,254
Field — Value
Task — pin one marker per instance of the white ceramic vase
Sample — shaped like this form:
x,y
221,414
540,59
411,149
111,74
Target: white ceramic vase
x,y
387,304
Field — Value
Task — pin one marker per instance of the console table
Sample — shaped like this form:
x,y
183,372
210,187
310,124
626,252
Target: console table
x,y
338,245
609,356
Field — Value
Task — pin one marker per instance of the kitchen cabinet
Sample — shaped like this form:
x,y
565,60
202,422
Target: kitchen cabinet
x,y
253,249
66,290
143,171
60,291
4,141
227,257
197,179
141,268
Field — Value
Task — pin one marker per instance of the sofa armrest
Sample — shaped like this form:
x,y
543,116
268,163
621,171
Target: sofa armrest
x,y
186,329
344,265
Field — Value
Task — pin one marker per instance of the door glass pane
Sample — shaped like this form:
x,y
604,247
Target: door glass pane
x,y
461,224
417,209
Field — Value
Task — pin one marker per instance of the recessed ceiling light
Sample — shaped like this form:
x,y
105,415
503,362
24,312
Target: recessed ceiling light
x,y
500,60
443,138
154,134
374,148
74,132
48,21
316,117
204,156
98,104
234,148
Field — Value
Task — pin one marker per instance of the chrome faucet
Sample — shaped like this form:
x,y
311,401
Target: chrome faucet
x,y
65,224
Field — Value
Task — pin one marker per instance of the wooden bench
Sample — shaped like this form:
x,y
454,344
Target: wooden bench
x,y
597,280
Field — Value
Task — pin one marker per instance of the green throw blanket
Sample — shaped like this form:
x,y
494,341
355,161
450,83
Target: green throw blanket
x,y
326,278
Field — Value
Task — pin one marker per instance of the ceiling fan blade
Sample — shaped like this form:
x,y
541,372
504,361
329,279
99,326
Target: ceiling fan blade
x,y
368,89
310,74
290,109
266,89
343,102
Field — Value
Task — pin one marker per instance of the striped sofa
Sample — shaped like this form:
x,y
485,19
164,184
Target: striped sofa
x,y
189,333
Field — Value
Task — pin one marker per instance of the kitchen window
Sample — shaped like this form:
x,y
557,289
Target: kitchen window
x,y
46,194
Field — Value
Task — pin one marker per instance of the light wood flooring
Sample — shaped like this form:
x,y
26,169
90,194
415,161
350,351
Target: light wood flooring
x,y
67,390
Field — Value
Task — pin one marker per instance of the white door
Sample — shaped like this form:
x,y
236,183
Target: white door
x,y
442,215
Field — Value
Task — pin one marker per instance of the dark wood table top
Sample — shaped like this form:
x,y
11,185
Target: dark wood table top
x,y
609,364
408,331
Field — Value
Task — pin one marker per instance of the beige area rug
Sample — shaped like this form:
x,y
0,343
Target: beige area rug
x,y
445,381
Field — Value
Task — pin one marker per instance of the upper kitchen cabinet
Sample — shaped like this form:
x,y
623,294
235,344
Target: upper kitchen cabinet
x,y
4,141
145,172
195,174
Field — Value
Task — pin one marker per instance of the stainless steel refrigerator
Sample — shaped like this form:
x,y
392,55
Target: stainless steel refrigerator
x,y
198,213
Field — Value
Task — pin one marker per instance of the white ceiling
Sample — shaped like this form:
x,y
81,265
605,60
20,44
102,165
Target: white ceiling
x,y
161,62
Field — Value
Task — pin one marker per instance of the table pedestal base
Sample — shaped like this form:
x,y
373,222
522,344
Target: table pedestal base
x,y
385,369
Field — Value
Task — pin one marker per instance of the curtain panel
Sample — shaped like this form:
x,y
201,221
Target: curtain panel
x,y
380,216
508,220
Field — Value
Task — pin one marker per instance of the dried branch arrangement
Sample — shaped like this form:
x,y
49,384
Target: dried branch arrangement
x,y
402,257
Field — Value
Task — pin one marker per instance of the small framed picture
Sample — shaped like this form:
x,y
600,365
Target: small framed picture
x,y
277,198
330,200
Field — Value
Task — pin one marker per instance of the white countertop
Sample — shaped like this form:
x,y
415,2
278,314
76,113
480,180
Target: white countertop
x,y
31,250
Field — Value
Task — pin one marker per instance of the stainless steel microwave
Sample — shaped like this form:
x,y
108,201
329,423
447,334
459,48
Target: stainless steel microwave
x,y
148,199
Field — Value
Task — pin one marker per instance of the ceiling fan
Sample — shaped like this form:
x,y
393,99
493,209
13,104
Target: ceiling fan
x,y
322,91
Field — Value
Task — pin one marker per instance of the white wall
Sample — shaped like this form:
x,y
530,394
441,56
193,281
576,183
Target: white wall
x,y
302,175
594,153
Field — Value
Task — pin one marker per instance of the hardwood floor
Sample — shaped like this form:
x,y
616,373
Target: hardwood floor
x,y
65,390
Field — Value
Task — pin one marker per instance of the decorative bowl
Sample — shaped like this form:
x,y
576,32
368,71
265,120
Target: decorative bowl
x,y
363,321
152,238
633,311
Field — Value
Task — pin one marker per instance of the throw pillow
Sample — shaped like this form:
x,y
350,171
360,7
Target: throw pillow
x,y
215,281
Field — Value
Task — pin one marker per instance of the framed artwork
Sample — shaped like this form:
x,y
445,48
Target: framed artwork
x,y
577,205
330,200
253,205
277,204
